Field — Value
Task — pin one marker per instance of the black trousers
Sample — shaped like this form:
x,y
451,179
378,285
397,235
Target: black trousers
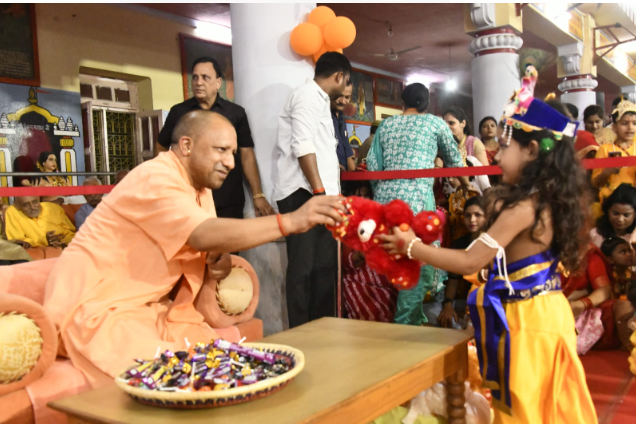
x,y
312,268
235,211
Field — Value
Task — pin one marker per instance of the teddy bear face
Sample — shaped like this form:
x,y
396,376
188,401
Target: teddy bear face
x,y
362,222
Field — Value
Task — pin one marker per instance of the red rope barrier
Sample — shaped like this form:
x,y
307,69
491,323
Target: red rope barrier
x,y
471,171
54,191
345,176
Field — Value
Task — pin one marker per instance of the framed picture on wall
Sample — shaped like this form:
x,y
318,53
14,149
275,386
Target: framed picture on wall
x,y
388,91
361,108
19,62
193,48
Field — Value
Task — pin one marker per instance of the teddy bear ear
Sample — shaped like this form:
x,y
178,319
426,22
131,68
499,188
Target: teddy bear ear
x,y
397,212
442,217
428,226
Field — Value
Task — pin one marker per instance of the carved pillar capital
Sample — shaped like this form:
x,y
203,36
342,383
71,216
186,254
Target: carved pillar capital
x,y
499,40
571,55
578,83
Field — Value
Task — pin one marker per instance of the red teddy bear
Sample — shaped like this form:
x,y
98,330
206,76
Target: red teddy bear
x,y
366,219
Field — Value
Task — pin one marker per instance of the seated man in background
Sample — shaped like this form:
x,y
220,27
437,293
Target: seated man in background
x,y
92,200
38,224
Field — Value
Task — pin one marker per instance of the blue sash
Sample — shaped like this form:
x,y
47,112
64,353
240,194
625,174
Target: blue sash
x,y
529,277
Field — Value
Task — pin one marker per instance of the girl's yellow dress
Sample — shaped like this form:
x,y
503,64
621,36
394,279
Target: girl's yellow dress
x,y
526,343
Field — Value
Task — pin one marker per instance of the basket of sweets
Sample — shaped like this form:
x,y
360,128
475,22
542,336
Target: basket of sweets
x,y
210,375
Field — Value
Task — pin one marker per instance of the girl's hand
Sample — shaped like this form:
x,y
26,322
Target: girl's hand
x,y
578,307
398,242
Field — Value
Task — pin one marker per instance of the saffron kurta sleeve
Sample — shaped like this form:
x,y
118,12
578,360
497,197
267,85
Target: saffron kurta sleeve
x,y
108,294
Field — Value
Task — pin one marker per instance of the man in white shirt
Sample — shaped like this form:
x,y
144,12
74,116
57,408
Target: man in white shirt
x,y
308,166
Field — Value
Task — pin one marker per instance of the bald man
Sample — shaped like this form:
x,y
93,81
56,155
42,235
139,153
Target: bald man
x,y
92,200
109,293
38,224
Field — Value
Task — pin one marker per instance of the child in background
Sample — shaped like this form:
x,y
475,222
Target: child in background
x,y
621,258
524,328
368,296
457,288
456,202
618,219
593,118
624,125
457,197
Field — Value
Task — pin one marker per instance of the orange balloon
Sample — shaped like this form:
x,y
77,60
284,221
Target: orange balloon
x,y
324,49
340,32
320,16
306,39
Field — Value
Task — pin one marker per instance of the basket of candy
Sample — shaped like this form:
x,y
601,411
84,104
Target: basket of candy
x,y
210,375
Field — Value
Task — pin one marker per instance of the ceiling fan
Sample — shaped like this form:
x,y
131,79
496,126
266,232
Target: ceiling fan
x,y
392,54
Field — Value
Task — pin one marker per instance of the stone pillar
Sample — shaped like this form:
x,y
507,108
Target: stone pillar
x,y
495,68
577,87
629,93
495,71
266,70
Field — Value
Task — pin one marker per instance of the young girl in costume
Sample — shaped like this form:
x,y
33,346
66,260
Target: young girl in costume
x,y
524,327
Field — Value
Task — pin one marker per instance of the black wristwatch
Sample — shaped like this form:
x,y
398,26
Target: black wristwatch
x,y
446,300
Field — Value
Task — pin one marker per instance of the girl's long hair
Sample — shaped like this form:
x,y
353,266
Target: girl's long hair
x,y
561,186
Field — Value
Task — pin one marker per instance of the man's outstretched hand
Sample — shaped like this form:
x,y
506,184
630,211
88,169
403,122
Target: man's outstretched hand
x,y
319,210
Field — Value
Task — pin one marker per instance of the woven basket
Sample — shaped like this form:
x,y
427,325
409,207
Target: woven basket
x,y
212,399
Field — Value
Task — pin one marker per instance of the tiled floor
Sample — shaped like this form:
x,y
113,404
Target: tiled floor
x,y
612,385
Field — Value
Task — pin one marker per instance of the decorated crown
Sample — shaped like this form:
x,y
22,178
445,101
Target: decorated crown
x,y
623,107
525,112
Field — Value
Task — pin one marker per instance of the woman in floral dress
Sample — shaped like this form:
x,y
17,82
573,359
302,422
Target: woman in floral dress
x,y
412,141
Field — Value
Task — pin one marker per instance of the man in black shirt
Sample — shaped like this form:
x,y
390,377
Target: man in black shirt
x,y
344,150
229,200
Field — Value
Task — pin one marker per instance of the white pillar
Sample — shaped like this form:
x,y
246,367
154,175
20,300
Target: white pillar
x,y
495,72
580,92
266,70
629,92
577,89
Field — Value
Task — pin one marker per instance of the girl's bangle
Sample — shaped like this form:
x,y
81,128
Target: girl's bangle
x,y
587,302
408,251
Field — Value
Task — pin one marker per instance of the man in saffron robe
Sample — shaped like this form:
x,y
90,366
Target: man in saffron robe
x,y
109,293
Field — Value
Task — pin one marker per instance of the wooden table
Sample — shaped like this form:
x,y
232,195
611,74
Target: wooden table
x,y
355,371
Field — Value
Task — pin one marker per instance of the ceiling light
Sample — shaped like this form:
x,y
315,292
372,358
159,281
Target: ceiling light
x,y
213,32
418,78
451,85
